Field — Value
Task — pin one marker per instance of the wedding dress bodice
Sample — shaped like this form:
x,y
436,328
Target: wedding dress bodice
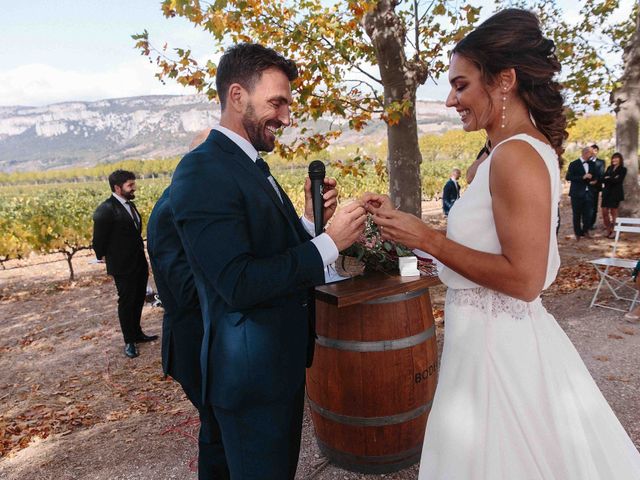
x,y
471,221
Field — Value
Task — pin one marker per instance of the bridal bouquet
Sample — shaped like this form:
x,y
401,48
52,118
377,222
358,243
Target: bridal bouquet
x,y
372,253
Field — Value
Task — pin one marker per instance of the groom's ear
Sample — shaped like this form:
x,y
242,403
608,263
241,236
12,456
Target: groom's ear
x,y
236,97
507,80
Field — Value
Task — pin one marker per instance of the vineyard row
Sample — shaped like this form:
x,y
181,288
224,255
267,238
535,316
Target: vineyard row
x,y
57,218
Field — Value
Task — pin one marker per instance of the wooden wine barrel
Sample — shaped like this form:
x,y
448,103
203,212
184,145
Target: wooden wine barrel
x,y
374,372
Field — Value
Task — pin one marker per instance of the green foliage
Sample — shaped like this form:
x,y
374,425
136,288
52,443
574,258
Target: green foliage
x,y
154,168
57,218
593,128
451,145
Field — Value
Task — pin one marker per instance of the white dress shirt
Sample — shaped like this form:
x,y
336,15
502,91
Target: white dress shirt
x,y
323,242
127,207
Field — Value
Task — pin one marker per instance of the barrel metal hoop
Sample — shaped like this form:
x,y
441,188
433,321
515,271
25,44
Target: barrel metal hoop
x,y
400,297
369,421
371,463
377,346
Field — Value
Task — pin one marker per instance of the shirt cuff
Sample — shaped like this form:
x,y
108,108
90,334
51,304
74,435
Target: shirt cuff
x,y
308,225
327,248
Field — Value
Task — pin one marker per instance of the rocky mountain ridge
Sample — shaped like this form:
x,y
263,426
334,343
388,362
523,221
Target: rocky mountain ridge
x,y
85,133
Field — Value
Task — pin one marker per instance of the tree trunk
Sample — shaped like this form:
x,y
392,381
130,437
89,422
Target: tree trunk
x,y
627,123
69,256
400,79
404,161
627,108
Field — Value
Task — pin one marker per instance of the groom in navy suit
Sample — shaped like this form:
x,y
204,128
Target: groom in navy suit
x,y
254,263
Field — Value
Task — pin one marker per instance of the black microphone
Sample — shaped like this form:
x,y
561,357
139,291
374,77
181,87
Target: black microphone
x,y
316,175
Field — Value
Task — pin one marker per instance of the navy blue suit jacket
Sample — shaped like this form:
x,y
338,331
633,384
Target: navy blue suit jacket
x,y
449,195
253,266
182,329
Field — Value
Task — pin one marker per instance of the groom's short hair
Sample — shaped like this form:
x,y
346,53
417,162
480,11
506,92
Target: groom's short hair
x,y
244,64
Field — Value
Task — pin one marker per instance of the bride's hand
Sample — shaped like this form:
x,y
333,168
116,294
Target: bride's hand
x,y
401,227
376,201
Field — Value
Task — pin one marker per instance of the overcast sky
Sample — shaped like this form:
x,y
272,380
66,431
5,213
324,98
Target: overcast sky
x,y
55,51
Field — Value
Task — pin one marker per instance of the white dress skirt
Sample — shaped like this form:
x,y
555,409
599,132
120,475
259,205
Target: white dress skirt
x,y
514,400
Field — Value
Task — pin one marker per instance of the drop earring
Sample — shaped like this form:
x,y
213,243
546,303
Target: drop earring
x,y
504,107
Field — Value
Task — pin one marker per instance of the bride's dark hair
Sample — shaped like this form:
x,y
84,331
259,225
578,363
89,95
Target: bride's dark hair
x,y
512,38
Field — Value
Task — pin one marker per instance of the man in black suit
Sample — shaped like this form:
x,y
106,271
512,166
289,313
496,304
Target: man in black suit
x,y
599,168
254,263
451,191
583,182
182,331
117,239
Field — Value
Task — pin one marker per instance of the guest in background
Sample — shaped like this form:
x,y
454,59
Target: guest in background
x,y
182,330
117,239
599,173
613,192
451,191
583,181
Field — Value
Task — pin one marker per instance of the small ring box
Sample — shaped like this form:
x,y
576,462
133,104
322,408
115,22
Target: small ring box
x,y
408,266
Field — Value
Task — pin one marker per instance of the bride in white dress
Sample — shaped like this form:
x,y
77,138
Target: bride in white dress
x,y
514,400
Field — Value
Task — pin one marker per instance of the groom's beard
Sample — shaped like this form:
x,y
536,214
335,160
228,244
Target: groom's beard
x,y
256,131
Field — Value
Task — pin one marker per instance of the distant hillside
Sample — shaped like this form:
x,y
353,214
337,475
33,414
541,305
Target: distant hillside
x,y
86,133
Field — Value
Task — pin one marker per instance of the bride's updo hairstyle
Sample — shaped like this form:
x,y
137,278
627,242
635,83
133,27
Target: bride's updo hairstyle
x,y
512,39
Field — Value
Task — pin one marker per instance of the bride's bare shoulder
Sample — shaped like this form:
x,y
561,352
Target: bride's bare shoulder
x,y
516,164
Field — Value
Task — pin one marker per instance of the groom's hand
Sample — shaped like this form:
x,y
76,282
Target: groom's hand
x,y
329,197
347,225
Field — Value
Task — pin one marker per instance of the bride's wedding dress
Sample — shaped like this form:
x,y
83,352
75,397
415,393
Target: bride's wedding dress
x,y
514,400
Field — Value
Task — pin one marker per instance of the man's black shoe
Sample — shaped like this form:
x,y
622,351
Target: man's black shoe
x,y
130,350
146,338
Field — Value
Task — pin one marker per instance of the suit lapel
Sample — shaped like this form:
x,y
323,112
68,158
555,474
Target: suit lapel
x,y
293,215
128,216
254,173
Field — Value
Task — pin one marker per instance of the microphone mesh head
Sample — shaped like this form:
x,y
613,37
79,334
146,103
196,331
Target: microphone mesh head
x,y
316,170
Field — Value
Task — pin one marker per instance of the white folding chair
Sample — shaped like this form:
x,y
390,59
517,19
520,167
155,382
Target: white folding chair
x,y
627,221
621,289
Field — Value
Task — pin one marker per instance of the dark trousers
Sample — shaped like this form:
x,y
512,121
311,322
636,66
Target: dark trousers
x,y
212,463
263,442
582,212
132,289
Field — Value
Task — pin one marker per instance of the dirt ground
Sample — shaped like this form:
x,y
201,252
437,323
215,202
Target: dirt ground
x,y
73,407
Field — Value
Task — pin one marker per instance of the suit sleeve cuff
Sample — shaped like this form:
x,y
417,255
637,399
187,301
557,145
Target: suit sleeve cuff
x,y
327,248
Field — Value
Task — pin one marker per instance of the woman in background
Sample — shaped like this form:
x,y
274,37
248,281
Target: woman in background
x,y
613,192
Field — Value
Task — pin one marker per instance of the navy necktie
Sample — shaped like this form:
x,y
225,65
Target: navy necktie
x,y
263,166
